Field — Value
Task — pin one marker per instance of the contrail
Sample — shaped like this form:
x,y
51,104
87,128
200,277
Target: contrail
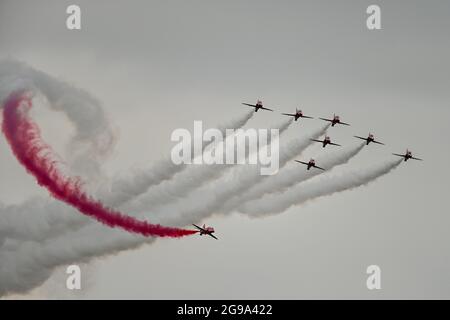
x,y
312,189
23,136
291,176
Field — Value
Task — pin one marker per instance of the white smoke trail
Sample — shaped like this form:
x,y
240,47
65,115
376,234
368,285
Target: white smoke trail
x,y
312,189
53,218
38,219
291,176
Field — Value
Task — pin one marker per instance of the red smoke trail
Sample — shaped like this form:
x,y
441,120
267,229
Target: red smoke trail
x,y
23,135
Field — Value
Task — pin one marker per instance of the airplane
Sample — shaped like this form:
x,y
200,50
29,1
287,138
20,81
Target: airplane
x,y
206,230
257,106
369,139
407,155
311,163
335,120
297,114
326,141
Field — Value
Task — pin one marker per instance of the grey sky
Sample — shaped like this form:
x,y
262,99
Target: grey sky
x,y
160,65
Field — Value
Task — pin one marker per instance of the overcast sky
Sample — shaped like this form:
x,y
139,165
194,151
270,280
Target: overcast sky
x,y
160,65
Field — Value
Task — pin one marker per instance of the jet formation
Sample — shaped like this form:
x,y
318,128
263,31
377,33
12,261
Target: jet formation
x,y
335,120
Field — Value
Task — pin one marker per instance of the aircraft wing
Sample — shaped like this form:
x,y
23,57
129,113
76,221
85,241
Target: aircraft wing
x,y
248,104
319,168
210,234
266,108
289,114
316,140
399,155
326,119
335,144
360,138
374,141
416,158
307,117
199,228
302,162
345,124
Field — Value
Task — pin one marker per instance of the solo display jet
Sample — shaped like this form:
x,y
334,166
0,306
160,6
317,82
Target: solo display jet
x,y
206,230
257,106
369,139
407,155
335,120
326,141
298,114
310,164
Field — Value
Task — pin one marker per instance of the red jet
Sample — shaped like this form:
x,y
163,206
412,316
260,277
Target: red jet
x,y
407,155
298,114
326,141
335,120
369,139
257,106
311,163
206,230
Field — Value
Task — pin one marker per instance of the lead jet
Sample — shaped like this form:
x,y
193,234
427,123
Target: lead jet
x,y
325,141
310,164
298,114
407,155
369,139
335,120
257,106
206,230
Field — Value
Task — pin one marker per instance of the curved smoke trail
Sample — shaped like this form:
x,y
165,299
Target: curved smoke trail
x,y
192,178
125,189
23,136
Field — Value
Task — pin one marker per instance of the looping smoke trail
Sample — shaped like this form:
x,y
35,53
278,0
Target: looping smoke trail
x,y
193,178
326,185
23,135
292,176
